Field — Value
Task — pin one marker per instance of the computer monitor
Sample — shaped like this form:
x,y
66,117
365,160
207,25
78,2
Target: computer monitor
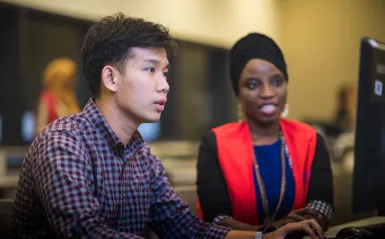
x,y
369,150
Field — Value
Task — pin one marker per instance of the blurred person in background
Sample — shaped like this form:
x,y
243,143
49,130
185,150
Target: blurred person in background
x,y
346,111
58,97
345,122
264,169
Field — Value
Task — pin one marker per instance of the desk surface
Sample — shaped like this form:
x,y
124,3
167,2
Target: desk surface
x,y
9,181
367,221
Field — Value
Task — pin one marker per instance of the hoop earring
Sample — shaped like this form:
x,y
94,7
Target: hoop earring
x,y
240,112
285,111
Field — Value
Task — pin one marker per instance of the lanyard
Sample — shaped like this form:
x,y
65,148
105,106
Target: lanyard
x,y
265,202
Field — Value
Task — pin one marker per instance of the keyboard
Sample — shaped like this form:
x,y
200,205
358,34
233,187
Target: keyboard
x,y
377,230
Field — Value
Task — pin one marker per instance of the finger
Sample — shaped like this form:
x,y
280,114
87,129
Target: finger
x,y
296,217
322,217
304,211
290,220
307,216
308,210
303,227
306,228
317,227
301,210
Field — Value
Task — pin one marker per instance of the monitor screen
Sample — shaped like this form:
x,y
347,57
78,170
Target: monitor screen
x,y
369,149
150,131
1,128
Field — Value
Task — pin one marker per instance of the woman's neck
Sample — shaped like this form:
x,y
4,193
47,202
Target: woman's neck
x,y
263,134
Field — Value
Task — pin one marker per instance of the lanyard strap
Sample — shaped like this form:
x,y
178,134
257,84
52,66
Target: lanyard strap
x,y
261,184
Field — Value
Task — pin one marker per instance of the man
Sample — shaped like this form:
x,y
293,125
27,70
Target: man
x,y
90,175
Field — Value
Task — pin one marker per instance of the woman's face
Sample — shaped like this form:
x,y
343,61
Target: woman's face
x,y
70,82
262,91
67,80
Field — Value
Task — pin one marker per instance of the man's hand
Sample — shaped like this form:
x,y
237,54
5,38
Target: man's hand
x,y
304,214
298,216
308,227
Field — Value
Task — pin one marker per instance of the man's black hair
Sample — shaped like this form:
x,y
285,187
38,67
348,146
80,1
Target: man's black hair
x,y
110,41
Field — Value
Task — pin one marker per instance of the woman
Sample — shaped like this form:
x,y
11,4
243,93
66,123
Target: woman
x,y
58,98
264,169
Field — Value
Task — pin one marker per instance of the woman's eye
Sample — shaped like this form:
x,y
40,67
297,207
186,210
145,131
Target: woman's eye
x,y
277,82
252,85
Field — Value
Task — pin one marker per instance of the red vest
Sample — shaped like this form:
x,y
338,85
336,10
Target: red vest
x,y
235,154
49,100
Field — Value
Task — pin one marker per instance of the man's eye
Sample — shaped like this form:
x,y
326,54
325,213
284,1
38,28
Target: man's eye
x,y
150,69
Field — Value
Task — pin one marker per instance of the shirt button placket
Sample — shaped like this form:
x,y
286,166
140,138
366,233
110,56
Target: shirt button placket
x,y
123,194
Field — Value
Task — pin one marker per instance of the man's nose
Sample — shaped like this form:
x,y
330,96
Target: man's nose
x,y
163,85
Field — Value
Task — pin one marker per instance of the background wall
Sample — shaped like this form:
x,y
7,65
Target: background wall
x,y
215,22
321,40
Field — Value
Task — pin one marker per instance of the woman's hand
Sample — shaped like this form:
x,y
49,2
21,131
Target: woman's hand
x,y
308,227
297,216
305,214
301,215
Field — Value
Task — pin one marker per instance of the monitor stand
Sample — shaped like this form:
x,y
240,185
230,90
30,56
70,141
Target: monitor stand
x,y
381,202
381,210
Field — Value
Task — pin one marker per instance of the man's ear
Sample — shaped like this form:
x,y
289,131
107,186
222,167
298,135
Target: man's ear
x,y
109,74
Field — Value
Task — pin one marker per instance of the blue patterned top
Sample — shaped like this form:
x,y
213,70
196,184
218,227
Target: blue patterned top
x,y
270,168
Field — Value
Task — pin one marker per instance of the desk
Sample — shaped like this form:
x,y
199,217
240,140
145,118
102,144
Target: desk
x,y
8,186
9,181
367,221
11,159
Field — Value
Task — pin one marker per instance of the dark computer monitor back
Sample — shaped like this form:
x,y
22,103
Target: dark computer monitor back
x,y
369,166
